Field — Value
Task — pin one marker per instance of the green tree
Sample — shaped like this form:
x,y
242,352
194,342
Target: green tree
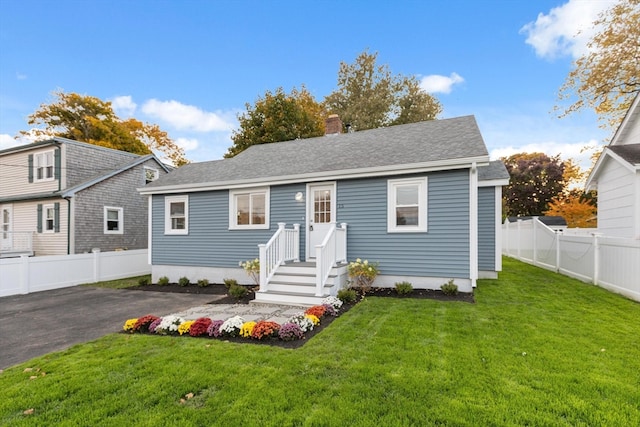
x,y
278,117
369,96
535,179
89,119
607,78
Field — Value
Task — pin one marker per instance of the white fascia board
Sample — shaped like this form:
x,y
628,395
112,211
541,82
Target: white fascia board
x,y
463,163
493,182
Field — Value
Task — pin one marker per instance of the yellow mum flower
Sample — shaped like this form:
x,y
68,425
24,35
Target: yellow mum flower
x,y
185,326
313,318
129,324
247,329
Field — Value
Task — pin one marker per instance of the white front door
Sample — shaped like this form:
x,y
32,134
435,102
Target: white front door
x,y
6,227
321,212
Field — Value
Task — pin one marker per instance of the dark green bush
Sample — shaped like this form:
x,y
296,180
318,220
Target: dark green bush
x,y
404,288
203,283
183,281
237,291
347,295
449,288
144,281
230,282
163,281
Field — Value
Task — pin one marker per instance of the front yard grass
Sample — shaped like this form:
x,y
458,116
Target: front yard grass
x,y
536,349
120,283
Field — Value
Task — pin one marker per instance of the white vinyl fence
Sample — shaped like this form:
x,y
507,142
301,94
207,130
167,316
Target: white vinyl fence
x,y
610,262
32,274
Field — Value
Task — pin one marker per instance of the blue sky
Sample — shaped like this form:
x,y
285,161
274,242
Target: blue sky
x,y
190,66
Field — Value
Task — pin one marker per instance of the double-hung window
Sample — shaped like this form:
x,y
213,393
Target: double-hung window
x,y
249,208
43,166
49,218
113,220
176,215
407,205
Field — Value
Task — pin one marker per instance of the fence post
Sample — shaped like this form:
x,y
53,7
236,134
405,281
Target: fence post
x,y
24,274
534,239
96,264
518,240
558,235
596,258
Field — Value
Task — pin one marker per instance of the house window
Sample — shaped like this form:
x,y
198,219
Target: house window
x,y
249,208
113,220
176,211
43,166
150,174
49,218
407,205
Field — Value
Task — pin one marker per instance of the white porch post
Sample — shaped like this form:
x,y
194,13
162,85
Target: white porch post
x,y
282,239
263,267
343,258
296,243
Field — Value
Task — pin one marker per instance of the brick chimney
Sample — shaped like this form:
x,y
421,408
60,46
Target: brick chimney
x,y
333,125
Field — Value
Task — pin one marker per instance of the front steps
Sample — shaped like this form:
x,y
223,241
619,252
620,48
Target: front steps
x,y
295,284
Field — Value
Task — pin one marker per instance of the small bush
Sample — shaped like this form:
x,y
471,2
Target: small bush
x,y
347,295
203,283
237,291
404,288
143,281
230,282
183,281
449,288
163,281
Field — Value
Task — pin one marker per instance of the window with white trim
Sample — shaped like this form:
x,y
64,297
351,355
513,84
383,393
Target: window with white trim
x,y
176,215
43,166
113,220
150,174
407,205
249,209
48,218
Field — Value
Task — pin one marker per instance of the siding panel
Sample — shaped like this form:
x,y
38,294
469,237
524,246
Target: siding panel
x,y
486,229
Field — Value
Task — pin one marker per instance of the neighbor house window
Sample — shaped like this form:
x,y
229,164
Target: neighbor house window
x,y
249,208
113,220
150,174
176,211
49,218
407,205
43,166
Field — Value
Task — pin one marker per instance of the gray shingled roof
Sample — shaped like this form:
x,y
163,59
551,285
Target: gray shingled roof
x,y
435,141
494,170
629,152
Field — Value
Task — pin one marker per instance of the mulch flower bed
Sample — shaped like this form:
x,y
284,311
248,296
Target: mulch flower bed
x,y
293,334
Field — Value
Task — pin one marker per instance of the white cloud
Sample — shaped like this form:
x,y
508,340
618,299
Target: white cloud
x,y
124,105
566,29
440,84
575,151
7,141
187,144
186,117
21,76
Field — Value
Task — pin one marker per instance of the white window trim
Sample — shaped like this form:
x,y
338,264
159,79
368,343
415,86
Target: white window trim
x,y
167,214
120,211
43,155
156,174
45,208
233,217
392,185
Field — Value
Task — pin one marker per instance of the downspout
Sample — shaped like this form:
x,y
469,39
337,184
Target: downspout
x,y
473,224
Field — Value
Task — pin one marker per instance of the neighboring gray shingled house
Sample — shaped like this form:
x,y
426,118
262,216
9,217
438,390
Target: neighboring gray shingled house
x,y
616,176
62,197
421,199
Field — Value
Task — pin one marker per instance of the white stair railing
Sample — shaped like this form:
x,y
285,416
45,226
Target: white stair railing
x,y
329,253
283,246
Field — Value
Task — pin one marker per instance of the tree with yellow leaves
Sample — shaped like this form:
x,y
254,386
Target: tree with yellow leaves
x,y
607,77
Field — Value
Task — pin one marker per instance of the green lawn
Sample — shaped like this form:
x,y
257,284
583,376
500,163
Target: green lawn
x,y
536,349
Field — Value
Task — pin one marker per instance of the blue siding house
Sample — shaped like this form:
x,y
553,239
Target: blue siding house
x,y
421,199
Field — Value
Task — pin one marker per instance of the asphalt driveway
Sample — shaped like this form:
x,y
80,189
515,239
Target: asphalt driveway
x,y
39,323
